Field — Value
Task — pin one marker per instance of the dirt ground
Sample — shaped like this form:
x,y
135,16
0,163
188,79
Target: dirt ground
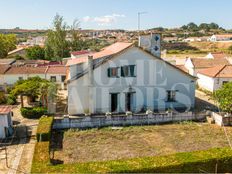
x,y
130,142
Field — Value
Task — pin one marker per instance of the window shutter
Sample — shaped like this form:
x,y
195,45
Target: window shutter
x,y
122,71
132,70
108,72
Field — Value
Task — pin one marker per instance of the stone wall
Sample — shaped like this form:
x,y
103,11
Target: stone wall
x,y
68,122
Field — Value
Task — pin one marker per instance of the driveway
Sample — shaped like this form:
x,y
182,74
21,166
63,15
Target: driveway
x,y
17,152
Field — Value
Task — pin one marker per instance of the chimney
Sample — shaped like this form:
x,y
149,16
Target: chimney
x,y
90,84
151,43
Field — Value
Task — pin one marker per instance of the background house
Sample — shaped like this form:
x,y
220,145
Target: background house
x,y
6,123
213,78
221,37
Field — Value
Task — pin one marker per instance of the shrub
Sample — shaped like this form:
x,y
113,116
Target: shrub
x,y
35,112
11,99
44,129
2,98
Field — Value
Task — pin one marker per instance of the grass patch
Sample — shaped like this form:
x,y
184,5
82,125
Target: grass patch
x,y
188,162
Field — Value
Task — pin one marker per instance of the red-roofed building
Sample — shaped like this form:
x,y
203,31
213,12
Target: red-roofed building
x,y
5,121
11,74
76,54
213,78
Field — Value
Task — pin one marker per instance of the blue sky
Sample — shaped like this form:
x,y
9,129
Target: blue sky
x,y
103,14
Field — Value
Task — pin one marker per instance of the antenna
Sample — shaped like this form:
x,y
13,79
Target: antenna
x,y
139,15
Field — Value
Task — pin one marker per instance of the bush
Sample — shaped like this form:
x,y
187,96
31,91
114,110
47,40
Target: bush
x,y
35,112
44,129
11,99
2,98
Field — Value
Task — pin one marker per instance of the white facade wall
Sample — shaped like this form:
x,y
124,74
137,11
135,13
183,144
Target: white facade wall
x,y
209,83
10,79
205,82
190,67
153,78
5,122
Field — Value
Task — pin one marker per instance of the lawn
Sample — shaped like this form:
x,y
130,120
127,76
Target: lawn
x,y
131,142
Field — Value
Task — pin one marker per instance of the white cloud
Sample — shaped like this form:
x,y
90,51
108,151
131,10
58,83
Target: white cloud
x,y
104,20
87,19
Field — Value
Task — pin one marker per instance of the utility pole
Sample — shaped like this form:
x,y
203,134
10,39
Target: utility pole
x,y
139,15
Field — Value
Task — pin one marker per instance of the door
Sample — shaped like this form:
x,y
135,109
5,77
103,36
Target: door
x,y
128,101
114,102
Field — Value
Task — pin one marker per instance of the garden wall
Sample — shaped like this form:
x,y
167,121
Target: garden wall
x,y
68,122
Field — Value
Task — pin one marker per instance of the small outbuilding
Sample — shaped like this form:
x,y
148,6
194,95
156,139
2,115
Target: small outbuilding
x,y
6,123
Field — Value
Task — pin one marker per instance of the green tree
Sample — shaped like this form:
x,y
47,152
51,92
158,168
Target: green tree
x,y
224,97
7,44
35,87
35,52
192,26
56,45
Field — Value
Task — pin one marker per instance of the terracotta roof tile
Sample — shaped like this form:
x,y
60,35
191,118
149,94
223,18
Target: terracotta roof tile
x,y
5,109
107,51
78,53
26,70
207,63
224,71
182,67
3,68
56,70
219,55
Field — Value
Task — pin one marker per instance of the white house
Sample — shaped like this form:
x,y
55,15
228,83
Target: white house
x,y
221,37
193,65
213,78
6,123
12,74
124,77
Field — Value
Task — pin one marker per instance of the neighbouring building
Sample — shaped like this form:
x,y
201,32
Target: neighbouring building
x,y
76,54
213,78
123,77
193,65
221,37
11,74
6,123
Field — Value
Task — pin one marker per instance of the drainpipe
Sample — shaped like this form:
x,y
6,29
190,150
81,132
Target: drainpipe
x,y
90,84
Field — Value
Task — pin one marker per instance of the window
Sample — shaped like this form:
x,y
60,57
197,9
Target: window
x,y
171,96
113,72
20,78
128,71
63,78
53,78
224,82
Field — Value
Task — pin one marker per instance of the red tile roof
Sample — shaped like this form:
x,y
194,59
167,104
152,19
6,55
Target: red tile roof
x,y
219,55
56,70
182,67
26,70
107,51
207,63
78,53
3,68
5,109
218,71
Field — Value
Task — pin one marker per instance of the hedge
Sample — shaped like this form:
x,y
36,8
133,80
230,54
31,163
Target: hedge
x,y
44,129
187,162
35,112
